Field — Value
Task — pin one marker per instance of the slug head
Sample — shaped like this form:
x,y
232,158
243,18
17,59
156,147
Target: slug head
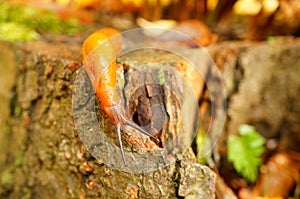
x,y
100,36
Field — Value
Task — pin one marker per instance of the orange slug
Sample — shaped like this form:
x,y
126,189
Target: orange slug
x,y
103,78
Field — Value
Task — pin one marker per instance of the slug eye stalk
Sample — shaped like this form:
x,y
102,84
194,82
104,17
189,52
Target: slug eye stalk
x,y
116,115
133,125
102,74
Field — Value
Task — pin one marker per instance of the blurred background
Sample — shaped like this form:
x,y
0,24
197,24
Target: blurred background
x,y
262,92
214,20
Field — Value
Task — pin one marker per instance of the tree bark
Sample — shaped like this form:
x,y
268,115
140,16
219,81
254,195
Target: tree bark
x,y
262,87
43,156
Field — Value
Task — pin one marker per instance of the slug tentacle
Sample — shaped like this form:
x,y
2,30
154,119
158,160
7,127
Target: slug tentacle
x,y
101,69
133,125
116,114
120,143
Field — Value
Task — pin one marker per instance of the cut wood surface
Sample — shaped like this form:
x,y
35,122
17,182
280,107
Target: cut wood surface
x,y
42,155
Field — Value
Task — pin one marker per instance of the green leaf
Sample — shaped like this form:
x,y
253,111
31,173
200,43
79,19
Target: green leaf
x,y
244,151
32,20
11,31
245,129
7,177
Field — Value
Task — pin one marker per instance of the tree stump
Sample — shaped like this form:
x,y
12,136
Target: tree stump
x,y
43,156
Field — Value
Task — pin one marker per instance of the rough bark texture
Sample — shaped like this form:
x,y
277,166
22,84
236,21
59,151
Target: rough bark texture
x,y
263,87
42,156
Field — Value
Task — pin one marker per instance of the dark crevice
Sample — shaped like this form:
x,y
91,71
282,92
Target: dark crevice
x,y
176,179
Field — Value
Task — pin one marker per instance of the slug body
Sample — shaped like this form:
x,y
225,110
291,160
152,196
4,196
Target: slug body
x,y
104,45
